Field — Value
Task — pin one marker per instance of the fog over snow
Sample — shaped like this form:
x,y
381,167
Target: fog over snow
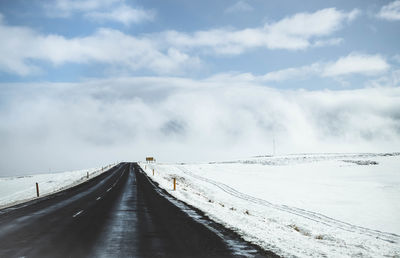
x,y
85,83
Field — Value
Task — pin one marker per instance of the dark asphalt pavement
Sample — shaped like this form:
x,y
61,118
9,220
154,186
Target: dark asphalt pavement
x,y
117,214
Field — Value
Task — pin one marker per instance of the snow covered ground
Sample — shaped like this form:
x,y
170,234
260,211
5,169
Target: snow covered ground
x,y
335,205
14,190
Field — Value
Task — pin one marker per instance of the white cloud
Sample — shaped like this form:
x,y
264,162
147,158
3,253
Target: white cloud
x,y
300,31
123,14
353,14
293,73
176,119
164,52
99,11
65,8
239,6
357,64
21,46
306,25
390,11
354,63
328,42
16,41
392,79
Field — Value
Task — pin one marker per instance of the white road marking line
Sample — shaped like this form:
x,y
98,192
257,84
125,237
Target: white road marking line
x,y
109,189
98,198
76,214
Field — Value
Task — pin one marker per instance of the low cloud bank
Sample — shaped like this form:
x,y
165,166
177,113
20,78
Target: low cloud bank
x,y
67,126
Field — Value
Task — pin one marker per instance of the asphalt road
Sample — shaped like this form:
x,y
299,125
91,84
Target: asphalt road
x,y
117,214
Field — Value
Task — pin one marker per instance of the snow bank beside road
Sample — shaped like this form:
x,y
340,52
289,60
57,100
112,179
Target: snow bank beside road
x,y
14,190
300,205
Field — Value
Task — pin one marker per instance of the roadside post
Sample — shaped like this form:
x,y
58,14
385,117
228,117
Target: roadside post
x,y
174,183
153,171
87,175
37,189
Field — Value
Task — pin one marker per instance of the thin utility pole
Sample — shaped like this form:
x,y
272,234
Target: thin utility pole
x,y
273,145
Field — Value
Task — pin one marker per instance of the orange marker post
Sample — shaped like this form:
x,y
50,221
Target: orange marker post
x,y
174,183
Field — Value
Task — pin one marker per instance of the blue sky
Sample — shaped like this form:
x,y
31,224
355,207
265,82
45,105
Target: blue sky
x,y
222,78
326,32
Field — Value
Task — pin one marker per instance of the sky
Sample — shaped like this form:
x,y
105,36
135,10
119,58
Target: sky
x,y
87,82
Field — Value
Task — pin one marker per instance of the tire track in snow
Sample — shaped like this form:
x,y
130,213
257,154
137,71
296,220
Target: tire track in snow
x,y
314,216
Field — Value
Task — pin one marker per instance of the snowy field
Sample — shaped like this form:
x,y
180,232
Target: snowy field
x,y
320,205
14,190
